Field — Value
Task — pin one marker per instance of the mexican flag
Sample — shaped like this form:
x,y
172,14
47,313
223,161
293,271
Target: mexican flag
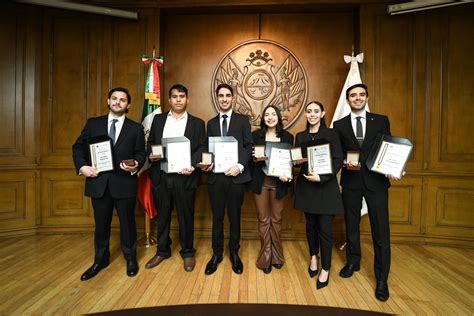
x,y
151,107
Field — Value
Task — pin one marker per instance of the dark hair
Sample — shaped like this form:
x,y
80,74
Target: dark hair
x,y
120,89
322,121
180,88
264,127
357,85
224,85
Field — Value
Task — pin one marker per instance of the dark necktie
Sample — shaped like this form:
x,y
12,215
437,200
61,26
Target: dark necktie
x,y
359,133
224,125
112,130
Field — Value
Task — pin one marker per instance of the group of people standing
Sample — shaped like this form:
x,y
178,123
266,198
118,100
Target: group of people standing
x,y
318,196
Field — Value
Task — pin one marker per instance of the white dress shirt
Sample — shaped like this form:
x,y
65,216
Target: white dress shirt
x,y
175,127
363,121
118,124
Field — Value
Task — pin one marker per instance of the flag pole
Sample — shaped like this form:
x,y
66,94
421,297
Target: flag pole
x,y
150,108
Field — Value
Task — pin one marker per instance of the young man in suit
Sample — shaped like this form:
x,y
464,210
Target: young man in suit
x,y
226,190
359,131
176,190
113,189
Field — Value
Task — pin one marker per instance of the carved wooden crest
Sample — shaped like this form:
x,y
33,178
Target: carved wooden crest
x,y
263,72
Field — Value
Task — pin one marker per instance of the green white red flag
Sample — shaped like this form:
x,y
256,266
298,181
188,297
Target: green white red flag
x,y
151,107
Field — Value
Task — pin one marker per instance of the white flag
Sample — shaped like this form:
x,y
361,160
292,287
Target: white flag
x,y
343,109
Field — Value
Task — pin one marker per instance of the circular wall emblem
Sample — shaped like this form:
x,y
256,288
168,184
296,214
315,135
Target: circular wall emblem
x,y
262,73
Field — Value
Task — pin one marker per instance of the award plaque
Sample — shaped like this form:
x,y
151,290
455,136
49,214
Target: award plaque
x,y
319,159
259,151
101,153
296,153
279,160
157,152
178,154
226,152
352,160
207,158
390,155
129,162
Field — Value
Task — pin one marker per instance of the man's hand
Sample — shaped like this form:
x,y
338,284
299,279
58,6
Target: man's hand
x,y
232,171
88,171
392,177
312,177
284,178
187,171
129,168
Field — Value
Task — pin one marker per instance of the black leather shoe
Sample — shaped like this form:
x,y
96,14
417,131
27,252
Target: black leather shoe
x,y
267,270
211,266
237,265
312,273
381,291
93,270
277,265
348,270
132,268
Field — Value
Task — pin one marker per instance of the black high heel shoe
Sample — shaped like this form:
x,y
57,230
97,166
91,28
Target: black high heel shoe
x,y
312,273
320,285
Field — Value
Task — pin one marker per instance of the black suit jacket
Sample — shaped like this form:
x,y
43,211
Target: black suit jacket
x,y
129,145
196,134
257,173
321,197
239,128
376,126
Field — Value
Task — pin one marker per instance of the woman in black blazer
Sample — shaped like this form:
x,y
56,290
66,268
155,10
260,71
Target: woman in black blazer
x,y
269,192
318,196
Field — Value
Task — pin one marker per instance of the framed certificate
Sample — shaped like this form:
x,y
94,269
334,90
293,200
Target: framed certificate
x,y
279,161
178,154
101,153
226,152
390,155
319,159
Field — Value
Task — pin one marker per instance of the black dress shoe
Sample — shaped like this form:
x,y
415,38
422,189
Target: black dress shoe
x,y
211,266
348,270
320,285
277,265
237,265
381,291
312,273
132,268
267,270
93,270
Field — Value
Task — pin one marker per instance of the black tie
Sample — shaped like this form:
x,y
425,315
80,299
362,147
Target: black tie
x,y
359,133
224,125
112,130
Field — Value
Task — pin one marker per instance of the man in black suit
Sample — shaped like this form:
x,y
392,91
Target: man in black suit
x,y
113,189
359,131
176,189
227,189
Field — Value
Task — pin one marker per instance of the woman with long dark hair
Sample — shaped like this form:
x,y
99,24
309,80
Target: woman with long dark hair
x,y
269,192
318,196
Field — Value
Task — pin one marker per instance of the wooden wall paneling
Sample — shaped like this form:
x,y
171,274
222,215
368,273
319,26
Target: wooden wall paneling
x,y
17,85
394,68
450,201
320,40
17,202
69,81
405,208
63,204
452,89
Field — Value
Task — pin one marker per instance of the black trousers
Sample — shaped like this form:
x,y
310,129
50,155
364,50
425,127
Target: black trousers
x,y
319,235
172,193
103,211
224,193
377,204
